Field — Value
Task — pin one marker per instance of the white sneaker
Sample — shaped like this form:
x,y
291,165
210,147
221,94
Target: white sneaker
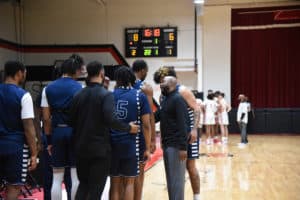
x,y
224,140
208,142
241,145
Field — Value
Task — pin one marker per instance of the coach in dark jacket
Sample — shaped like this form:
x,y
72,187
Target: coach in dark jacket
x,y
173,117
92,115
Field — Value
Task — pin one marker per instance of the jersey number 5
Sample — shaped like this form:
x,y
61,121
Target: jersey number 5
x,y
122,109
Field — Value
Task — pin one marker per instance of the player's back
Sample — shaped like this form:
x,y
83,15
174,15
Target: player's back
x,y
210,107
127,106
59,95
138,84
11,125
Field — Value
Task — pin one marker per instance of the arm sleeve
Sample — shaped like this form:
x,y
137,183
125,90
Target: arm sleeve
x,y
44,101
110,117
181,121
27,107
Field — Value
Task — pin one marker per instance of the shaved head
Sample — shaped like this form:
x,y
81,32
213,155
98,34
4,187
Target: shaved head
x,y
170,81
168,85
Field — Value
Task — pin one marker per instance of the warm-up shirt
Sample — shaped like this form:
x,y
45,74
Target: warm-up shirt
x,y
174,121
138,85
58,96
210,107
130,105
243,108
15,105
92,114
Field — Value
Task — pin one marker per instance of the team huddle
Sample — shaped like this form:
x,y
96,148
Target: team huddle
x,y
214,115
91,133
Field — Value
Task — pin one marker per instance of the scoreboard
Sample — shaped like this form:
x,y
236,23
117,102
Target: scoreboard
x,y
151,42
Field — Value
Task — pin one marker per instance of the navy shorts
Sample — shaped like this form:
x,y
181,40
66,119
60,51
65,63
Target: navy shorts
x,y
125,160
193,150
14,166
63,147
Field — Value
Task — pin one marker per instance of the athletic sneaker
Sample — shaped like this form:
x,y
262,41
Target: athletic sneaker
x,y
242,145
208,141
225,140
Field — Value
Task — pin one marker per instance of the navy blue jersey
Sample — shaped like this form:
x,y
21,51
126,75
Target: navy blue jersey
x,y
130,105
12,135
138,84
59,95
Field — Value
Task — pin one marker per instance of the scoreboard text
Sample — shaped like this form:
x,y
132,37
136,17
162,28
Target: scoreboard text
x,y
151,42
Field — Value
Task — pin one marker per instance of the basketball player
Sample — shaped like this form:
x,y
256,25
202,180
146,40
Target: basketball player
x,y
140,69
131,105
223,110
56,99
210,108
17,131
174,127
216,131
47,166
193,146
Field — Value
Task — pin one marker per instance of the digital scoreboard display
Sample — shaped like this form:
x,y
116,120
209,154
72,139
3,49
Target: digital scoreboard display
x,y
151,42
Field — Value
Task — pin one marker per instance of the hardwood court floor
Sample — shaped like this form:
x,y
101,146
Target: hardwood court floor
x,y
268,168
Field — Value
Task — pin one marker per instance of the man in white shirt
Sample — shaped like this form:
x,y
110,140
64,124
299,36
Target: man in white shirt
x,y
242,119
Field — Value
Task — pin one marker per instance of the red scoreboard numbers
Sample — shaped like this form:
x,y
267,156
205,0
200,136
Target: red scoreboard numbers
x,y
151,32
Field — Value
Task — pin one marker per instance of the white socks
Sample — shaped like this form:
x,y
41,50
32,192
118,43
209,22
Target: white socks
x,y
75,182
196,196
58,176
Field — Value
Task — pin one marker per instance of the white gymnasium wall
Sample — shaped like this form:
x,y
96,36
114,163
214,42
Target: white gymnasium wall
x,y
6,55
216,23
7,22
7,32
90,22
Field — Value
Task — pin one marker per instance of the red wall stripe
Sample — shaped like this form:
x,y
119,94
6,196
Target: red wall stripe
x,y
53,49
